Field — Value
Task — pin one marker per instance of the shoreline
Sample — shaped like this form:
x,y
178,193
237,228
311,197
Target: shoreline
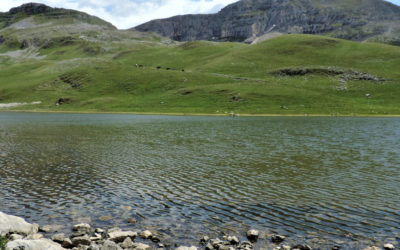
x,y
16,233
203,114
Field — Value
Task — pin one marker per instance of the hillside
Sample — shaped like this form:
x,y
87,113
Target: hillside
x,y
67,68
247,20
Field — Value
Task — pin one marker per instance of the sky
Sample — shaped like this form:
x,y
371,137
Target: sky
x,y
126,14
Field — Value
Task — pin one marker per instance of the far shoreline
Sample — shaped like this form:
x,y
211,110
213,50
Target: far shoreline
x,y
202,114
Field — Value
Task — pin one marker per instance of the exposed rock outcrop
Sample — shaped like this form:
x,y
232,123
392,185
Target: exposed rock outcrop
x,y
248,20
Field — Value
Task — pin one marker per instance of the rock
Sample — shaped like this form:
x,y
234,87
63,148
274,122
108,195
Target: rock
x,y
67,243
141,246
96,237
233,240
34,237
388,246
128,243
45,229
78,234
252,235
16,237
302,247
372,248
99,230
216,243
131,221
14,224
83,227
114,229
110,245
204,240
245,245
83,240
94,247
146,234
33,245
187,248
120,236
278,239
210,247
224,247
286,247
155,238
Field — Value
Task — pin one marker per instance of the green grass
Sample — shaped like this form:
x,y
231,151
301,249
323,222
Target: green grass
x,y
3,242
218,77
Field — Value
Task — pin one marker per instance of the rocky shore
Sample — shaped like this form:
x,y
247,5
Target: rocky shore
x,y
17,234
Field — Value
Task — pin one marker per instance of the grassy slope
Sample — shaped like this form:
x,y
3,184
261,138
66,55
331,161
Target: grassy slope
x,y
214,73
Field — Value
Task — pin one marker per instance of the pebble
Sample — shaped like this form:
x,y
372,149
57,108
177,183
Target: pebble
x,y
204,240
252,235
16,237
59,238
302,247
99,230
83,240
278,239
233,240
146,234
388,246
187,248
128,243
81,227
45,229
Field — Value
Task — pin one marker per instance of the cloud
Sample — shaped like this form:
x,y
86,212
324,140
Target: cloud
x,y
129,13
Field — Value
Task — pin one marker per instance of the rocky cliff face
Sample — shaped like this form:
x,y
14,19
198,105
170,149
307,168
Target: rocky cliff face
x,y
248,19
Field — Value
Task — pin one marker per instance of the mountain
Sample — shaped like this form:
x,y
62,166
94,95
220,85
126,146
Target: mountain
x,y
36,26
247,20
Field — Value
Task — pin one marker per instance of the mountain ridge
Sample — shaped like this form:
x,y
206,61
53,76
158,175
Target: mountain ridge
x,y
356,20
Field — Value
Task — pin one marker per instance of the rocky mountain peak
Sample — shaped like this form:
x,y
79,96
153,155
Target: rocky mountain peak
x,y
31,9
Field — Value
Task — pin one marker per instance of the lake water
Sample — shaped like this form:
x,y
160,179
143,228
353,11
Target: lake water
x,y
321,181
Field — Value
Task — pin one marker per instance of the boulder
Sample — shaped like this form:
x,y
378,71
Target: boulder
x,y
14,224
120,236
33,245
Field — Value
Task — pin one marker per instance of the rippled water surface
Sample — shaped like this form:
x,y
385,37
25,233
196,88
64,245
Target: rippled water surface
x,y
317,180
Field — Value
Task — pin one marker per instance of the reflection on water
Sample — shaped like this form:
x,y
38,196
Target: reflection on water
x,y
335,178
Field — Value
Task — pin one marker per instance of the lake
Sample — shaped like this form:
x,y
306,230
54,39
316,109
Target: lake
x,y
319,180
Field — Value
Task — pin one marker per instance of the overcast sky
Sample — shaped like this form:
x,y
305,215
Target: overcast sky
x,y
129,13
